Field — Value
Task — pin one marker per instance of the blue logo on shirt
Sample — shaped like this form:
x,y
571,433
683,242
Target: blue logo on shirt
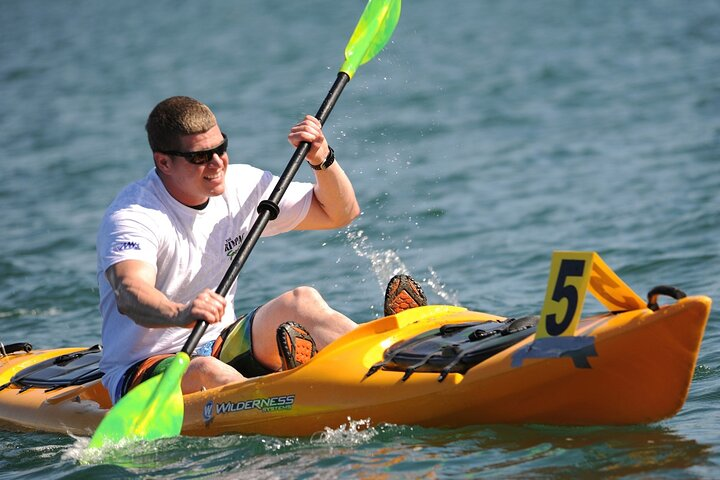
x,y
121,247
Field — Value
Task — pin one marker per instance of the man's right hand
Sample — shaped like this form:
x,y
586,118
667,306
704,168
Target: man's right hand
x,y
208,306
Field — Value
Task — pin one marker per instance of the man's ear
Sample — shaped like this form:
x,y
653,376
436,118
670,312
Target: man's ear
x,y
162,162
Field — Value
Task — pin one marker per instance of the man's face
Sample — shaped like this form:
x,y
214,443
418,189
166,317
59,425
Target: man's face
x,y
190,183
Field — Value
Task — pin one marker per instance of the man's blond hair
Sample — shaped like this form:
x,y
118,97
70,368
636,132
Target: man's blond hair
x,y
174,117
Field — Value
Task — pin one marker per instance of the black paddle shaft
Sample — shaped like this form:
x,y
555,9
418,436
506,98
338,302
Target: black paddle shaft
x,y
268,209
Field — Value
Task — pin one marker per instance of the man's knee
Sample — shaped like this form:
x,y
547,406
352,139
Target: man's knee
x,y
307,296
206,365
209,372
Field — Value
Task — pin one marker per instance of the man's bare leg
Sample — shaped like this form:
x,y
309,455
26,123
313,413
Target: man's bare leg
x,y
208,372
305,306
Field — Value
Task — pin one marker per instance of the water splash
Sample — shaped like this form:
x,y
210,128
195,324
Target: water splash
x,y
438,287
277,444
78,451
386,263
354,432
127,453
117,453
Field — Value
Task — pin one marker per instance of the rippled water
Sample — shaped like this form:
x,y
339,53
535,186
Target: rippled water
x,y
487,135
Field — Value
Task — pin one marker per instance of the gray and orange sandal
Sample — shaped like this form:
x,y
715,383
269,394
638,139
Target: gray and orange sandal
x,y
403,293
295,344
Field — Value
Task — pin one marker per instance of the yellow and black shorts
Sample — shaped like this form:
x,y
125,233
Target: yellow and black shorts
x,y
233,346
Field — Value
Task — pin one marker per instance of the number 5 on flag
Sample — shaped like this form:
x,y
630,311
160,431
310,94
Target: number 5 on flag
x,y
572,274
565,295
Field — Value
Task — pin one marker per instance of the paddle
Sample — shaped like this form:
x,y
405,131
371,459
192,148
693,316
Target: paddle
x,y
154,409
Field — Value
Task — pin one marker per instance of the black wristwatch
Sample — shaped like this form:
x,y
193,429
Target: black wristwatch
x,y
329,160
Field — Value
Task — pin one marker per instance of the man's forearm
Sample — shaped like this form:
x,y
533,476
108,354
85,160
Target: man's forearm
x,y
144,304
336,195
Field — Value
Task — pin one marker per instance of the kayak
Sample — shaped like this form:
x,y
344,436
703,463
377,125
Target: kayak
x,y
639,372
433,366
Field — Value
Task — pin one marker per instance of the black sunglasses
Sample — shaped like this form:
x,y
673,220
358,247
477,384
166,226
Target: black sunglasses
x,y
201,157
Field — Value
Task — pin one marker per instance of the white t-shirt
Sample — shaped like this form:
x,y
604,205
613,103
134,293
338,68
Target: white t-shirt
x,y
191,250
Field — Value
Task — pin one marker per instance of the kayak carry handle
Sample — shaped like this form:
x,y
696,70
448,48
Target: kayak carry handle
x,y
667,290
14,347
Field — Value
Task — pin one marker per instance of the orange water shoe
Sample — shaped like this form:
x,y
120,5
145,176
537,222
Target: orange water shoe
x,y
295,344
402,293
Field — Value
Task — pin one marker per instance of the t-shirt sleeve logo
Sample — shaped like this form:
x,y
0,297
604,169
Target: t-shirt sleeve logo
x,y
123,246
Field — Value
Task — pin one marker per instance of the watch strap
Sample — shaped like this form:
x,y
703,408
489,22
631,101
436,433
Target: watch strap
x,y
329,160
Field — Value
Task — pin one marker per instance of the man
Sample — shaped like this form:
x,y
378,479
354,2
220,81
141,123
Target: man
x,y
166,241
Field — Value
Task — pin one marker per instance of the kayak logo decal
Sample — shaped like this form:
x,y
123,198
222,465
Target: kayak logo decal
x,y
232,245
208,412
267,404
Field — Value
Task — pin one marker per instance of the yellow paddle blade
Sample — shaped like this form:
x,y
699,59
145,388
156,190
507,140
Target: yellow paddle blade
x,y
154,409
372,32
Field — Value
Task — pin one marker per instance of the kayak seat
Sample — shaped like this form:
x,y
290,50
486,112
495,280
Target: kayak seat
x,y
67,370
454,347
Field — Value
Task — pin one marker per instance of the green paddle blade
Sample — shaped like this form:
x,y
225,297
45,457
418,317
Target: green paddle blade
x,y
372,32
154,409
